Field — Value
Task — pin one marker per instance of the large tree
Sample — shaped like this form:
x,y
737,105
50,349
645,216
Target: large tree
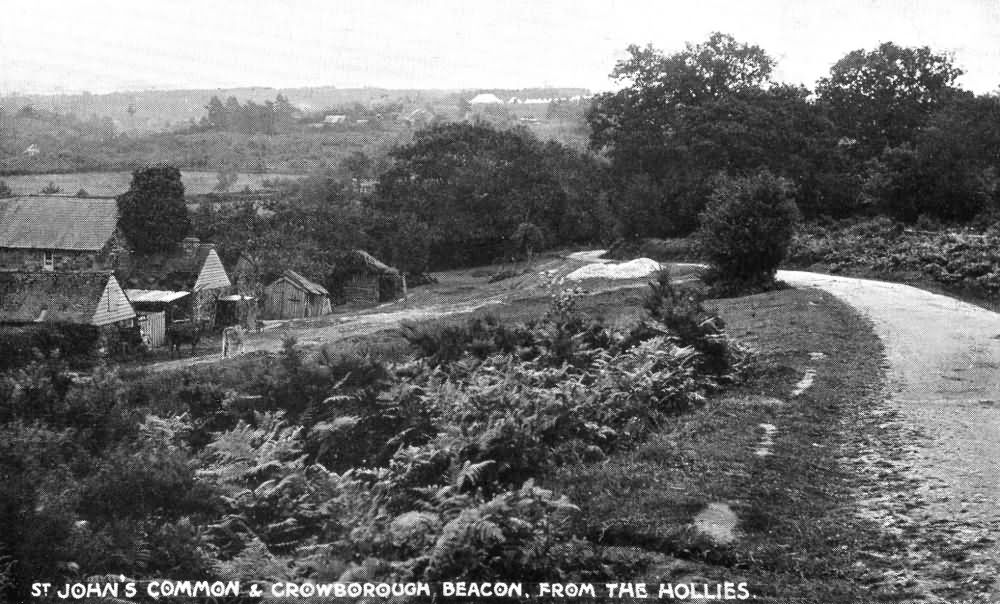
x,y
216,113
473,185
153,216
684,118
881,98
634,124
949,172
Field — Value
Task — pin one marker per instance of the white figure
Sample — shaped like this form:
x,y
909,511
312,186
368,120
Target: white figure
x,y
232,337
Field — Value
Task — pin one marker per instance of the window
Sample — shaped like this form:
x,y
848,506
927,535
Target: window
x,y
48,260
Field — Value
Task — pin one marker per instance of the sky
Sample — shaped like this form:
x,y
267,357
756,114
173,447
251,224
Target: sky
x,y
104,46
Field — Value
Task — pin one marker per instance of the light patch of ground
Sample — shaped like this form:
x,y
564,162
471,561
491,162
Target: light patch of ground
x,y
589,256
633,269
455,292
766,445
805,383
718,521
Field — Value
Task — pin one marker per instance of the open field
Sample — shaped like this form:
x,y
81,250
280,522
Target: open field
x,y
110,184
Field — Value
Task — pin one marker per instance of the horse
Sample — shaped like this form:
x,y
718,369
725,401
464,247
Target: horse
x,y
184,332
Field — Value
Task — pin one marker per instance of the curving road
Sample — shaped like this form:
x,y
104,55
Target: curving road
x,y
944,376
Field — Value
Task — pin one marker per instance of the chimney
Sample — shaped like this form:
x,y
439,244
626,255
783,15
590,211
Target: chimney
x,y
190,246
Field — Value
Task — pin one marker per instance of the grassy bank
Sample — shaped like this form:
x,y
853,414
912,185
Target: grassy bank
x,y
798,533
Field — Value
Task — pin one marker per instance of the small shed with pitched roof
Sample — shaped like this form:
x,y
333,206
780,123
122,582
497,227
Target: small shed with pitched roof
x,y
366,280
292,296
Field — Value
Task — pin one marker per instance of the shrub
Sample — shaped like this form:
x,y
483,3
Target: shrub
x,y
24,344
480,336
906,183
747,227
682,313
51,189
527,239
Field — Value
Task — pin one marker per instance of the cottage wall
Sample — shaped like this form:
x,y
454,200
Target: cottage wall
x,y
113,256
13,259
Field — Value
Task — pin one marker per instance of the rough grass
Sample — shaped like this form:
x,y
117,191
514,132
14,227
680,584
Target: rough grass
x,y
679,249
619,307
956,262
799,536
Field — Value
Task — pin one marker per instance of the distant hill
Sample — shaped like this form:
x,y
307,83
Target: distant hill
x,y
159,110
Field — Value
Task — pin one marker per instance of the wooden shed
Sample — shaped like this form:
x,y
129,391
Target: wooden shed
x,y
366,280
191,268
155,309
292,296
153,327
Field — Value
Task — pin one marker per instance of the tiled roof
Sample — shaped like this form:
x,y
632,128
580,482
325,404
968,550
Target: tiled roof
x,y
176,271
35,297
57,223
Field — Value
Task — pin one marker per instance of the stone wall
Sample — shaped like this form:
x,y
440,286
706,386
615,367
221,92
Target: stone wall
x,y
30,260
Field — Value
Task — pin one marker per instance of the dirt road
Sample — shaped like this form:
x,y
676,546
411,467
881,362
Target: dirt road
x,y
943,357
331,329
456,292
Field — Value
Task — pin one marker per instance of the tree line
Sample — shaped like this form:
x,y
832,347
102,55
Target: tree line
x,y
270,117
887,131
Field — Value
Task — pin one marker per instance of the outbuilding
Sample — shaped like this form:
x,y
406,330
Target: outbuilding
x,y
87,307
188,280
292,296
366,280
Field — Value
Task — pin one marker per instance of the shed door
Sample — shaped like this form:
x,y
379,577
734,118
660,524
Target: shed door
x,y
291,302
153,326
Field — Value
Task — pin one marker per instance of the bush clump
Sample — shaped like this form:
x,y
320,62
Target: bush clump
x,y
746,229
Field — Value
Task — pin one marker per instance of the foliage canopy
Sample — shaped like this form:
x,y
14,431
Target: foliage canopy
x,y
153,216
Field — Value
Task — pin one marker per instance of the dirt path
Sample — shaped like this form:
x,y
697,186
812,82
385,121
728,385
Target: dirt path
x,y
331,329
458,292
943,358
